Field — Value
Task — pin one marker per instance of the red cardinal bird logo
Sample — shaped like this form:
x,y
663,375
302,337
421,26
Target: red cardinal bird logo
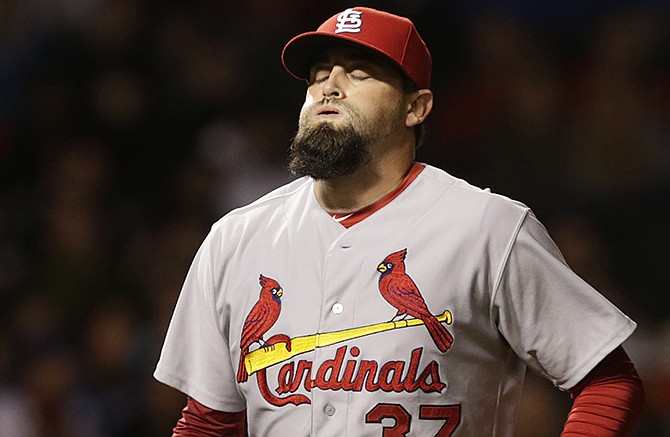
x,y
262,316
402,293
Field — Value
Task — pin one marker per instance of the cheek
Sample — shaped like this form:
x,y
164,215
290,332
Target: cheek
x,y
383,101
311,96
305,106
387,111
310,99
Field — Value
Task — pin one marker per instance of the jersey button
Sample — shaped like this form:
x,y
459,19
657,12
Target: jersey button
x,y
329,410
338,308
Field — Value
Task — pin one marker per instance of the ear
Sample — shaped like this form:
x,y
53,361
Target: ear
x,y
419,107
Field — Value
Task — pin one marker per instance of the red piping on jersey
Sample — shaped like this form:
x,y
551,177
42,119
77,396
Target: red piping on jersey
x,y
349,219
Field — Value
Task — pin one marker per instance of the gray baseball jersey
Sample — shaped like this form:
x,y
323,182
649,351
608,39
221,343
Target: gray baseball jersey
x,y
420,319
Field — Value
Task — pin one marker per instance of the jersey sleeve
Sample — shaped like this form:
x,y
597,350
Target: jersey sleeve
x,y
195,358
556,323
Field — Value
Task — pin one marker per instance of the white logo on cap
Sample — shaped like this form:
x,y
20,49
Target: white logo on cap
x,y
349,21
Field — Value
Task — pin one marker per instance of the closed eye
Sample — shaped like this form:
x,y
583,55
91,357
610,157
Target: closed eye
x,y
320,73
359,75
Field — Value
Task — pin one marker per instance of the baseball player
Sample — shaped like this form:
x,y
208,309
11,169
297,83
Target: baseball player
x,y
379,296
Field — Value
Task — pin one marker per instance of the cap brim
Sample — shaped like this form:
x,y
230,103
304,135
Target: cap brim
x,y
300,53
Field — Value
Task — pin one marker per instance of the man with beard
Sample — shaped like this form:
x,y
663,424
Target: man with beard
x,y
376,295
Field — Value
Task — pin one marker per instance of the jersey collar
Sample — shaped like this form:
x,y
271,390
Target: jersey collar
x,y
348,219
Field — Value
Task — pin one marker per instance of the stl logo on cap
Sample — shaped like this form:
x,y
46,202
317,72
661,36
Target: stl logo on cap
x,y
392,36
349,21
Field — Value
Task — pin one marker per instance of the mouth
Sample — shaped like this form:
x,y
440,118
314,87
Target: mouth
x,y
327,111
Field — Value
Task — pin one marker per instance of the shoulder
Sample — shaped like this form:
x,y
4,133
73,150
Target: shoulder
x,y
275,201
475,202
268,214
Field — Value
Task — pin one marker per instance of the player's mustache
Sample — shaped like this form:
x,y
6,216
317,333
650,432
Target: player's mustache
x,y
329,101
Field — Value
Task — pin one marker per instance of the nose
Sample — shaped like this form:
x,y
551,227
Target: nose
x,y
332,87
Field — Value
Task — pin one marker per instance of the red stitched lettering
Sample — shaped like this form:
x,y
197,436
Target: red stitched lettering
x,y
393,411
451,414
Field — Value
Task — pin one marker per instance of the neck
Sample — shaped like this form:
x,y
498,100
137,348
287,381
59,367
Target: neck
x,y
367,185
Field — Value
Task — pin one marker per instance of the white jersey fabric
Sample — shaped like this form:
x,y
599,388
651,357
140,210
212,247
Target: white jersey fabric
x,y
512,299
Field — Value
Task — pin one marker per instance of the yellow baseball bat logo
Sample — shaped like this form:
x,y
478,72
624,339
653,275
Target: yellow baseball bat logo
x,y
277,353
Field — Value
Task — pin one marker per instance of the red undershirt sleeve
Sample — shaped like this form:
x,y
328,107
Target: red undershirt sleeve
x,y
200,421
608,401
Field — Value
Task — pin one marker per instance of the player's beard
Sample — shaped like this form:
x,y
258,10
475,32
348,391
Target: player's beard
x,y
325,152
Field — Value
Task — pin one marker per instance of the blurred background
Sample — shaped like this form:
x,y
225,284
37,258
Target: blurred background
x,y
127,127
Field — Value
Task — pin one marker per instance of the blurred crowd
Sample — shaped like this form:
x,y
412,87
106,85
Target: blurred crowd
x,y
127,127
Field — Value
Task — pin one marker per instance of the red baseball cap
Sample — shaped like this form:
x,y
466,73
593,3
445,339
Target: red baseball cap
x,y
392,36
